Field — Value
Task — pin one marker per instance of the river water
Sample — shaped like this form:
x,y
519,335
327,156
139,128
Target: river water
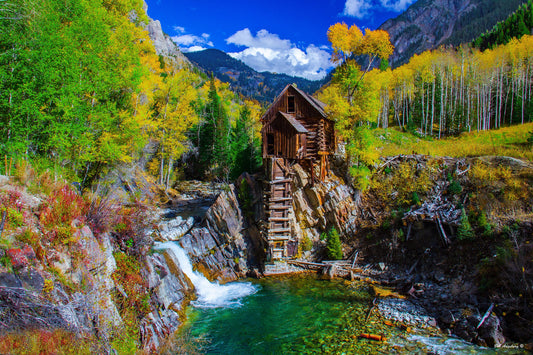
x,y
299,315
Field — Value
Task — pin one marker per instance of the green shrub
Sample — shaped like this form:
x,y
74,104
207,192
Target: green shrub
x,y
484,224
361,176
333,245
455,188
307,243
464,232
416,199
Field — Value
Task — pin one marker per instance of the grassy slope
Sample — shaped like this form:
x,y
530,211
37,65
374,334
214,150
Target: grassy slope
x,y
508,141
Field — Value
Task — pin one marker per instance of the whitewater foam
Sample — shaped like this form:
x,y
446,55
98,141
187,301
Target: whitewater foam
x,y
210,294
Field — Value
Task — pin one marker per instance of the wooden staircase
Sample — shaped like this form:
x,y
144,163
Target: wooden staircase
x,y
278,200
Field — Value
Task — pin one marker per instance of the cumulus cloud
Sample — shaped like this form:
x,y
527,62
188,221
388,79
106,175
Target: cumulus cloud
x,y
363,8
267,52
189,42
357,8
179,29
396,5
193,49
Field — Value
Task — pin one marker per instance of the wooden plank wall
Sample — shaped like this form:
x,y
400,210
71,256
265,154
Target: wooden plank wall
x,y
285,139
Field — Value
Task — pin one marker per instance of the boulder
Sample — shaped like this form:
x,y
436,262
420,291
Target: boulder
x,y
490,332
224,217
175,229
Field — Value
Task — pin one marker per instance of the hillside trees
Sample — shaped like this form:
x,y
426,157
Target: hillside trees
x,y
515,26
174,114
82,89
67,71
245,145
214,136
446,91
228,137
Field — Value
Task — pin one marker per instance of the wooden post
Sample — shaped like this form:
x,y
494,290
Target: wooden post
x,y
323,165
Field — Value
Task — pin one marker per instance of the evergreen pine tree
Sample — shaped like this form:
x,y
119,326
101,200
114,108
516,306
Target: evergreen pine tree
x,y
207,130
245,155
333,245
464,231
214,149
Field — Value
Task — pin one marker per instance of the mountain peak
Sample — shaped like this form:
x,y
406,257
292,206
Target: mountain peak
x,y
263,86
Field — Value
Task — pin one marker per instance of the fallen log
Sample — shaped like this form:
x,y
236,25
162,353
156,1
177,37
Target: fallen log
x,y
487,314
371,309
355,259
442,233
373,336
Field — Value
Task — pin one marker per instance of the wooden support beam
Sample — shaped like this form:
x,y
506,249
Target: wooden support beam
x,y
279,181
279,230
281,199
277,207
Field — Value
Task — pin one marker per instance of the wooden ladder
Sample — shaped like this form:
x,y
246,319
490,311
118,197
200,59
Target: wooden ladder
x,y
278,207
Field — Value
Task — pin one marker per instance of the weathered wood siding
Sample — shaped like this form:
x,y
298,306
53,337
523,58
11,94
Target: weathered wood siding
x,y
286,141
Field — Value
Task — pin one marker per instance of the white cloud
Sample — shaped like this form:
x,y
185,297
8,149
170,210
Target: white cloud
x,y
363,8
179,29
193,49
263,39
267,52
190,42
396,5
357,8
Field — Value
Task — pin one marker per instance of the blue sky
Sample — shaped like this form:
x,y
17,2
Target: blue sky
x,y
288,36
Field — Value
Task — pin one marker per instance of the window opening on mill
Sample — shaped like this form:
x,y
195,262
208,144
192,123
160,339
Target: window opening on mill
x,y
270,144
291,105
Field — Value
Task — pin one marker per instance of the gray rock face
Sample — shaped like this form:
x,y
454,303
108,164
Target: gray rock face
x,y
491,333
212,247
424,26
91,309
163,43
175,229
323,205
217,245
170,288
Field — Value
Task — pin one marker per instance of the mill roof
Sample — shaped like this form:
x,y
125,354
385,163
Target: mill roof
x,y
318,105
294,122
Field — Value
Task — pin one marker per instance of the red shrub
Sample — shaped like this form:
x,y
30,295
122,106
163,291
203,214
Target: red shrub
x,y
60,209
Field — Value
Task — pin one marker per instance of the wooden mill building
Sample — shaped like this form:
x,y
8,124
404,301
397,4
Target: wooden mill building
x,y
295,129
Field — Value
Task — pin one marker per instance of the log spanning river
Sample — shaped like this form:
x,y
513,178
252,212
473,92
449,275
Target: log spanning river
x,y
300,315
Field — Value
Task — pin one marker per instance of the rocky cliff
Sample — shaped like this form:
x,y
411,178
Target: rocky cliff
x,y
427,24
321,206
164,46
87,282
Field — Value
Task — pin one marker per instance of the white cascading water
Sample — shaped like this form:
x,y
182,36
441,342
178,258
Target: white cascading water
x,y
210,294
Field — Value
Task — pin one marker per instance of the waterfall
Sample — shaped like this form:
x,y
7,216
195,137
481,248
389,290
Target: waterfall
x,y
210,294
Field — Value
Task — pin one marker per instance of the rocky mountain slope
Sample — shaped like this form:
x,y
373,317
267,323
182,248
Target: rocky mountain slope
x,y
263,87
428,24
164,46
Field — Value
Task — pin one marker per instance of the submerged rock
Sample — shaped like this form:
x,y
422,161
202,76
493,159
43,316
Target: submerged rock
x,y
406,312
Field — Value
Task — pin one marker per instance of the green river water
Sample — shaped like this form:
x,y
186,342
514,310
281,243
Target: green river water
x,y
307,315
